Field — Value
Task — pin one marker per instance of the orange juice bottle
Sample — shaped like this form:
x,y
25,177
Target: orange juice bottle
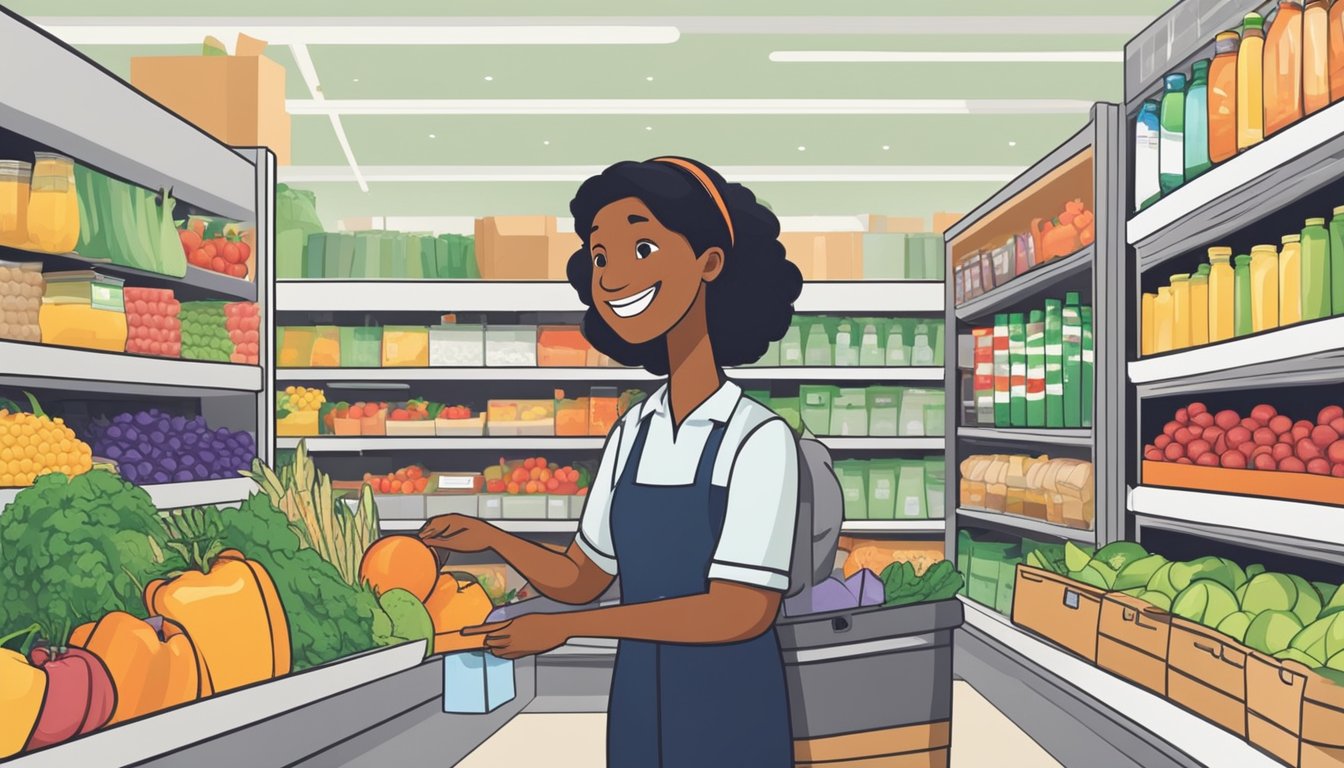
x,y
1283,68
1199,306
1223,98
1315,57
1335,54
1250,75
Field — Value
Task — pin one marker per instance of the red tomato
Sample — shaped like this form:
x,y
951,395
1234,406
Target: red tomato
x,y
230,253
218,264
238,270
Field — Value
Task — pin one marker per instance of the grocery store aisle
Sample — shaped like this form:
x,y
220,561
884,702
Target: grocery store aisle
x,y
981,735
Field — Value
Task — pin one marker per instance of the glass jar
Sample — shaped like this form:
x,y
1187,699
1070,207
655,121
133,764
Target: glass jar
x,y
1290,280
1264,288
1180,311
15,177
1316,278
53,205
1222,295
1199,306
1245,296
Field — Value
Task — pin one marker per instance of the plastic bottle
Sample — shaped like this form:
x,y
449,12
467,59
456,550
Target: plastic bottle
x,y
1315,57
1180,311
1335,43
1171,142
1163,310
1316,278
846,352
1337,261
1199,306
1283,68
870,351
1264,288
1245,296
1222,295
897,353
922,354
1147,320
1146,132
1197,121
1250,90
1290,280
1223,98
818,351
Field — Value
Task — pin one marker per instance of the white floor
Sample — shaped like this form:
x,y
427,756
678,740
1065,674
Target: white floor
x,y
981,736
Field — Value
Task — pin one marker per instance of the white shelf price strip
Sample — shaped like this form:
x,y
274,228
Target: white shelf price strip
x,y
1318,523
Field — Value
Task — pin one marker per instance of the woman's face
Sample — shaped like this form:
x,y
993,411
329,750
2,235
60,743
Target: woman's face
x,y
645,276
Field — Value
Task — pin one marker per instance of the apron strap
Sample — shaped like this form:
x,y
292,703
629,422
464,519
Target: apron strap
x,y
628,472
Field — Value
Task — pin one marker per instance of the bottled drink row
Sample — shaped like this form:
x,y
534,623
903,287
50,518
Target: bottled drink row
x,y
1300,280
1262,79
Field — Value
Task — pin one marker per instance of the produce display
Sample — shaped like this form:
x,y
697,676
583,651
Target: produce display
x,y
221,250
1058,491
153,322
21,290
378,254
83,308
209,329
1048,239
535,476
33,444
407,481
156,447
821,341
242,319
991,566
892,489
1265,440
126,225
297,411
876,555
1035,369
877,411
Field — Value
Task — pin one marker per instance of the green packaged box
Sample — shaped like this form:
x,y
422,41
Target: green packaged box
x,y
1003,603
1089,374
817,350
791,346
1073,362
1054,363
815,406
1017,357
415,269
849,413
367,245
916,261
853,484
1002,373
934,247
361,347
872,343
935,484
884,411
922,351
937,329
884,255
911,501
898,342
984,576
935,414
965,548
787,408
314,253
846,347
1036,369
882,487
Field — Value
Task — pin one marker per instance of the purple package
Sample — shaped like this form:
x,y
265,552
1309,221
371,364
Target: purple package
x,y
866,588
832,595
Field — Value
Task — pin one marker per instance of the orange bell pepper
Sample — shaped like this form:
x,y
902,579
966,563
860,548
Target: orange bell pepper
x,y
458,601
153,663
234,615
23,688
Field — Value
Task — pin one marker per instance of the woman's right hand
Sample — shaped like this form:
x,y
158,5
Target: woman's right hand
x,y
459,533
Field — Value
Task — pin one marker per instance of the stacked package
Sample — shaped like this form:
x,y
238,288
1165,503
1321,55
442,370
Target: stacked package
x,y
1059,491
242,320
21,289
389,256
204,335
153,322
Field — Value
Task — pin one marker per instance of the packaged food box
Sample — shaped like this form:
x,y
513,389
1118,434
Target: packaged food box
x,y
476,682
603,410
511,346
472,427
882,487
791,346
297,424
818,350
571,417
361,347
326,347
935,486
21,289
884,411
561,346
296,347
846,346
911,503
849,413
514,418
815,404
75,323
457,346
524,507
853,476
1062,610
405,346
514,247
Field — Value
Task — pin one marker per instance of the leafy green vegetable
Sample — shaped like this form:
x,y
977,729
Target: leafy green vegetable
x,y
74,549
1236,624
901,586
1136,573
1272,631
1076,557
328,619
410,620
1206,602
1119,554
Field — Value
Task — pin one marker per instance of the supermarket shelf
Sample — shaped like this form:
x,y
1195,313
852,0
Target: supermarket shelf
x,y
197,281
1305,348
363,444
1072,437
858,297
1019,524
893,526
1294,528
104,123
1264,178
1028,286
179,495
600,374
64,367
1105,704
512,526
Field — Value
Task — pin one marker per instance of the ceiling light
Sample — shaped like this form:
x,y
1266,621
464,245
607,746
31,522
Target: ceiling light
x,y
432,136
948,57
343,31
802,148
488,78
649,78
356,80
886,147
688,106
1012,143
648,127
547,142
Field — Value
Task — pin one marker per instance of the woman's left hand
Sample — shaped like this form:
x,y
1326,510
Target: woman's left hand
x,y
523,636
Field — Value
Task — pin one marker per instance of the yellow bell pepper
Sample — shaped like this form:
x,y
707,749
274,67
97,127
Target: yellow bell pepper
x,y
23,688
152,663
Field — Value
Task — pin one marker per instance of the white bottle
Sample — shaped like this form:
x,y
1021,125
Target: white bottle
x,y
923,353
897,354
870,352
1147,153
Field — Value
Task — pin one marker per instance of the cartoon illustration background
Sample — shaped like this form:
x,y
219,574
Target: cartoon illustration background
x,y
280,286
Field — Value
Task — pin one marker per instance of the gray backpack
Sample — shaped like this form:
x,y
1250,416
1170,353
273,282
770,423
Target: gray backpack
x,y
821,511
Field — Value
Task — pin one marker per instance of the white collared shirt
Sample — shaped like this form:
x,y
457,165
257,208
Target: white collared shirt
x,y
757,463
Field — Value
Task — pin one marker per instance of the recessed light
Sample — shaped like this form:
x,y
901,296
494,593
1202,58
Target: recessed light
x,y
649,78
489,77
432,136
886,147
1012,143
356,79
802,149
648,127
547,142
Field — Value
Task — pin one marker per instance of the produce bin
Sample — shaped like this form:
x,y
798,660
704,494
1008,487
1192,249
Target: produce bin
x,y
406,346
1206,674
1322,723
1132,639
422,428
511,346
869,682
297,424
529,507
561,346
473,427
452,504
375,425
576,506
1057,608
490,506
1274,697
557,507
361,347
514,418
399,506
457,346
1318,489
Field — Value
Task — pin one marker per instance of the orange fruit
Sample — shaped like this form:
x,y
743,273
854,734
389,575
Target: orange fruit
x,y
400,562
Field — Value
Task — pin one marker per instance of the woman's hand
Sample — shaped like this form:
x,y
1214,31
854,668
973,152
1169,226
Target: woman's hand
x,y
524,636
458,533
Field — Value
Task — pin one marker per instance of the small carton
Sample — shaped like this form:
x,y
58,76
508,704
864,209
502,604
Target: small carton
x,y
476,682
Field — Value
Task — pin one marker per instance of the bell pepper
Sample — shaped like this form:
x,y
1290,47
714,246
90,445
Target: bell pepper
x,y
232,612
23,688
152,662
458,601
80,695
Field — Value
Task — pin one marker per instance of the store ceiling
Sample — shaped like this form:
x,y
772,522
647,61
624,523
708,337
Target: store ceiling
x,y
985,88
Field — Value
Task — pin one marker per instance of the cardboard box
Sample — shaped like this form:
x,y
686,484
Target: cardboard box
x,y
945,221
904,225
1274,695
1132,639
1299,486
1206,674
825,255
476,682
239,100
562,246
1322,722
904,746
514,247
1059,609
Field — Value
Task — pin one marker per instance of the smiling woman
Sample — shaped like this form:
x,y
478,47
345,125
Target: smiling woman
x,y
655,234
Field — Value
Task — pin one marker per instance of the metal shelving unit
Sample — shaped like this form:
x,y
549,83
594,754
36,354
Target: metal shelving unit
x,y
1093,271
371,444
102,123
751,373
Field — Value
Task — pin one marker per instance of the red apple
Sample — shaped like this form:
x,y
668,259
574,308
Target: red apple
x,y
1210,459
1153,454
1202,419
1197,448
1227,419
1302,429
1282,451
1263,413
1185,460
1174,451
1238,435
1170,429
1265,436
1292,464
1234,460
1280,424
1329,413
1318,467
1252,424
1162,441
1183,416
1337,470
1183,436
1336,452
1338,425
1265,461
1324,437
1196,408
1306,450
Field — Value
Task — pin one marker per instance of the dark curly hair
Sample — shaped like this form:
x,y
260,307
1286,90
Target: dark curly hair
x,y
749,305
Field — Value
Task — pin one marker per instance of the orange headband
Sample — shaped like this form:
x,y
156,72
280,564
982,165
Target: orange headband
x,y
705,182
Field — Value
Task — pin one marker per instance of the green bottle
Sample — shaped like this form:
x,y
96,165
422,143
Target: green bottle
x,y
1316,281
1337,262
1171,137
1242,311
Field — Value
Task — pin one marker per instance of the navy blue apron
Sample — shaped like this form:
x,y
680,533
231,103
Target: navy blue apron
x,y
687,706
